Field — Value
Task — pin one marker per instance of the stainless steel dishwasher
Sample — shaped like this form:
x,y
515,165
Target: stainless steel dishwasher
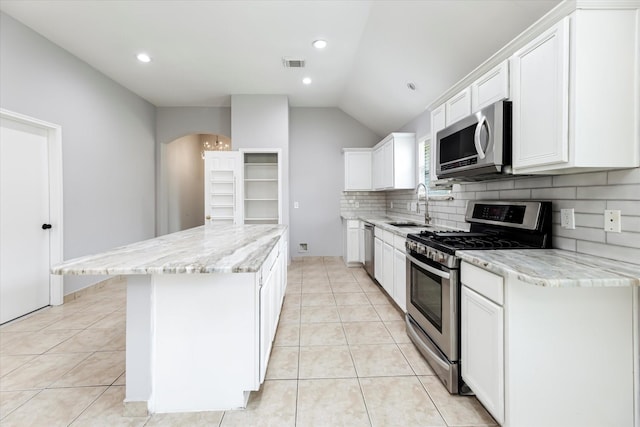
x,y
369,259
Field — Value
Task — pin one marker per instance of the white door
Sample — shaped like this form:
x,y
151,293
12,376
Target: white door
x,y
24,208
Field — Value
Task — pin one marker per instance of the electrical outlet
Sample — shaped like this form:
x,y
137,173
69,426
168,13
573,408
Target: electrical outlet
x,y
390,205
612,221
414,207
408,206
296,205
567,219
357,204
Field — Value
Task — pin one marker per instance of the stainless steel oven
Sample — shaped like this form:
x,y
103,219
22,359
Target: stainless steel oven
x,y
433,269
433,297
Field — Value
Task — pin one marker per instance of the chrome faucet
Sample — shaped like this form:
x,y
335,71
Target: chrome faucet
x,y
427,218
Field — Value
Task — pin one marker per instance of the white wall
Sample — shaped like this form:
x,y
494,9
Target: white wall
x,y
262,121
317,137
185,168
108,138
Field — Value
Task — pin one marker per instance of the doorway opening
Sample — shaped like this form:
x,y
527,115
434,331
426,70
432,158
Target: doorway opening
x,y
182,180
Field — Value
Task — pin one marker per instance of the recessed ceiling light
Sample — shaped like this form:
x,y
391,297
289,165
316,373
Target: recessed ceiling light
x,y
411,86
319,44
307,80
143,57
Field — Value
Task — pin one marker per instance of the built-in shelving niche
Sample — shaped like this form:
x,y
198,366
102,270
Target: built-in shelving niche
x,y
261,184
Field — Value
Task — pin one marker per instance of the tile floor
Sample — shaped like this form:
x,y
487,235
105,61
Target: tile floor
x,y
340,358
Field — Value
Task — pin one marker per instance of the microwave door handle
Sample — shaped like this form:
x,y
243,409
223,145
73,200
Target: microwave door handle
x,y
476,136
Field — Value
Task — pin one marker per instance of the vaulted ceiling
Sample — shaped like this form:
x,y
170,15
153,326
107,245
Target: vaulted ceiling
x,y
205,51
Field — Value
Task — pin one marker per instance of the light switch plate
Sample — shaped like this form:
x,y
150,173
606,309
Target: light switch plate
x,y
567,219
612,221
296,205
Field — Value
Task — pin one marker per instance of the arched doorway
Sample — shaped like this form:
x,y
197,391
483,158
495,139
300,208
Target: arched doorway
x,y
181,187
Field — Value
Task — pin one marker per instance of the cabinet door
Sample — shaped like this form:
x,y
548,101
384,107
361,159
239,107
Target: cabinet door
x,y
353,247
378,164
491,87
387,269
378,254
482,350
437,123
361,244
400,279
540,91
458,107
387,165
357,170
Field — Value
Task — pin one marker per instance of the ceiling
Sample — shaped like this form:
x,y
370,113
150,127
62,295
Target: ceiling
x,y
205,51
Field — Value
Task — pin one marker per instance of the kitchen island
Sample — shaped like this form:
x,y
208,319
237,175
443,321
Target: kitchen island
x,y
202,309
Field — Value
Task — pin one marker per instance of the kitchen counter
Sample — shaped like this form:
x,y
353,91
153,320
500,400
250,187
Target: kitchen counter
x,y
202,309
555,267
205,249
383,223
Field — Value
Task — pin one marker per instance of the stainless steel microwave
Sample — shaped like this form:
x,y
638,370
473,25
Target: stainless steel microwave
x,y
477,146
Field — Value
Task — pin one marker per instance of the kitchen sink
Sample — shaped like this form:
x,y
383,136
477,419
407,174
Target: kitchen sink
x,y
407,224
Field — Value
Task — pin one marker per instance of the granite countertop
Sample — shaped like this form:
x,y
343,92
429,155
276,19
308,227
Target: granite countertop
x,y
383,223
204,249
555,267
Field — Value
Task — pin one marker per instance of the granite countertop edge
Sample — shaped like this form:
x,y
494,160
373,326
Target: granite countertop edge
x,y
206,249
555,268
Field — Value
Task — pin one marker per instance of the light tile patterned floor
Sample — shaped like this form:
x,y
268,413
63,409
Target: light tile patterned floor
x,y
341,357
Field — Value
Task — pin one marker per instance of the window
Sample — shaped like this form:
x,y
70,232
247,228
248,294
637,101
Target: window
x,y
424,168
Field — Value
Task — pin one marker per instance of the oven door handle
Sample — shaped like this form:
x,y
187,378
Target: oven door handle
x,y
428,268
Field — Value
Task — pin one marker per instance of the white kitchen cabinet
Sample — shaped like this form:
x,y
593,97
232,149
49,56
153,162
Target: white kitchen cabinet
x,y
357,169
537,327
222,204
574,93
394,162
458,107
377,164
351,251
491,87
438,122
400,279
482,349
272,288
387,269
361,242
378,254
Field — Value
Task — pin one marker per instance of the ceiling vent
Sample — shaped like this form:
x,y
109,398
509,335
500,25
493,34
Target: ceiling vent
x,y
293,62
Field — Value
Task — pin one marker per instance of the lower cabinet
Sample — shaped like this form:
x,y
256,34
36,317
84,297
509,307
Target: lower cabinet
x,y
351,237
529,352
387,269
400,279
482,345
378,254
272,289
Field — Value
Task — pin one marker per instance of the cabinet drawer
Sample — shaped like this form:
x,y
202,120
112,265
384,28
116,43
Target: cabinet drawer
x,y
387,236
352,223
398,242
377,231
483,282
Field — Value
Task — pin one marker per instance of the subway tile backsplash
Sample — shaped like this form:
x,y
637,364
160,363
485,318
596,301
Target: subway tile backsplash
x,y
589,194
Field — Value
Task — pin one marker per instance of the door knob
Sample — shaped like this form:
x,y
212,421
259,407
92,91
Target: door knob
x,y
46,226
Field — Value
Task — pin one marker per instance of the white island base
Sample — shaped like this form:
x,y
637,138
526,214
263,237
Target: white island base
x,y
192,342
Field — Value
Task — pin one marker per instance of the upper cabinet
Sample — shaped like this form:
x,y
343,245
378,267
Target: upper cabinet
x,y
573,81
458,107
491,87
357,169
394,162
575,97
438,122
